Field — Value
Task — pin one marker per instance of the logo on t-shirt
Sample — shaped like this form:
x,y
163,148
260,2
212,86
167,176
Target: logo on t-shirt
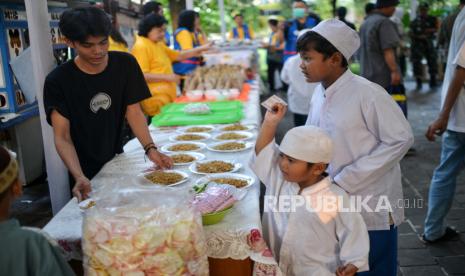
x,y
101,100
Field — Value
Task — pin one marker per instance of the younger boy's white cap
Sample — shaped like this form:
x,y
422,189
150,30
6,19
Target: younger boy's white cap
x,y
344,38
308,143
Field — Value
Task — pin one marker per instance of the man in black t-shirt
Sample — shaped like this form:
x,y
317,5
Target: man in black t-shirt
x,y
87,99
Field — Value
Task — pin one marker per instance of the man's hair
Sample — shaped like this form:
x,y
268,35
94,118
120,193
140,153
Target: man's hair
x,y
187,19
273,22
79,23
369,7
151,7
341,12
312,40
149,22
301,1
238,14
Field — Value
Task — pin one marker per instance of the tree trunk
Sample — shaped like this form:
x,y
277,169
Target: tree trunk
x,y
176,6
334,3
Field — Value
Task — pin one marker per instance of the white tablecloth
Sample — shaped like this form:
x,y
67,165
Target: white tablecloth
x,y
236,237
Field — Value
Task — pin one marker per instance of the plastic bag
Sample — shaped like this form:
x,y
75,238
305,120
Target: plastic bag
x,y
197,109
215,197
141,231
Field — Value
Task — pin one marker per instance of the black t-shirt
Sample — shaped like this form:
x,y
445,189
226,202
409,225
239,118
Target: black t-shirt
x,y
95,106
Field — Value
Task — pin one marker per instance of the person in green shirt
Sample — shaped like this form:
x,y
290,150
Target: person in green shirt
x,y
23,252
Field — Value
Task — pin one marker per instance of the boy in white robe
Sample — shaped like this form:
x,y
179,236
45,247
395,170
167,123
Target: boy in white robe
x,y
369,132
307,234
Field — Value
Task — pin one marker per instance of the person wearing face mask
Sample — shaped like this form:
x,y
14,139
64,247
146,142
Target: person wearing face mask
x,y
301,21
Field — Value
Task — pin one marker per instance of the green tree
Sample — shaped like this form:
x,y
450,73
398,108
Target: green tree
x,y
210,14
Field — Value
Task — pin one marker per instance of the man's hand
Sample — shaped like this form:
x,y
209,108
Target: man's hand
x,y
395,78
348,270
436,128
161,160
276,114
82,188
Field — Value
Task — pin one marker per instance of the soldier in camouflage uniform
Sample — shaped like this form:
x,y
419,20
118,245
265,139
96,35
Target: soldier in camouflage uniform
x,y
422,34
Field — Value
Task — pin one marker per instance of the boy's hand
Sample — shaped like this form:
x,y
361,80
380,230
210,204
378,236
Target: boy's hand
x,y
348,270
277,113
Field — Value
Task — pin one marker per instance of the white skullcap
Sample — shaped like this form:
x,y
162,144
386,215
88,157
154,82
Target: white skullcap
x,y
308,143
10,173
344,38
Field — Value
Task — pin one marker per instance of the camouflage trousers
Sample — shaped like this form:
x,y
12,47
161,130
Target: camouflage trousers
x,y
420,50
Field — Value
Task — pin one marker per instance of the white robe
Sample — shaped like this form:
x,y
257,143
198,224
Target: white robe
x,y
307,242
370,136
300,91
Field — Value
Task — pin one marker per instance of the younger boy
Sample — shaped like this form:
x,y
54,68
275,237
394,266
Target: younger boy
x,y
23,252
369,131
309,238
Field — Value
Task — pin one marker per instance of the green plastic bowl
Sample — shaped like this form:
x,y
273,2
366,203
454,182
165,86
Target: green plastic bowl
x,y
214,218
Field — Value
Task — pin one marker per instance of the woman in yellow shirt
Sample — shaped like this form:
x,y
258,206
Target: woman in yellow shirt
x,y
155,60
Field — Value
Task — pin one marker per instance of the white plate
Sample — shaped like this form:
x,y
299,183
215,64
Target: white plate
x,y
166,147
248,145
248,126
250,180
193,167
205,136
248,135
144,181
196,155
184,129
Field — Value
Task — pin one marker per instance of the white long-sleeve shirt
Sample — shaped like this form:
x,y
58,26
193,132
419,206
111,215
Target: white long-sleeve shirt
x,y
370,136
300,91
308,241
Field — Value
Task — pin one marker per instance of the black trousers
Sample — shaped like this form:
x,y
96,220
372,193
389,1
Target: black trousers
x,y
272,67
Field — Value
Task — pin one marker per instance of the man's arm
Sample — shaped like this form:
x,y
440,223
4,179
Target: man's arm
x,y
389,40
65,148
390,58
138,124
440,125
